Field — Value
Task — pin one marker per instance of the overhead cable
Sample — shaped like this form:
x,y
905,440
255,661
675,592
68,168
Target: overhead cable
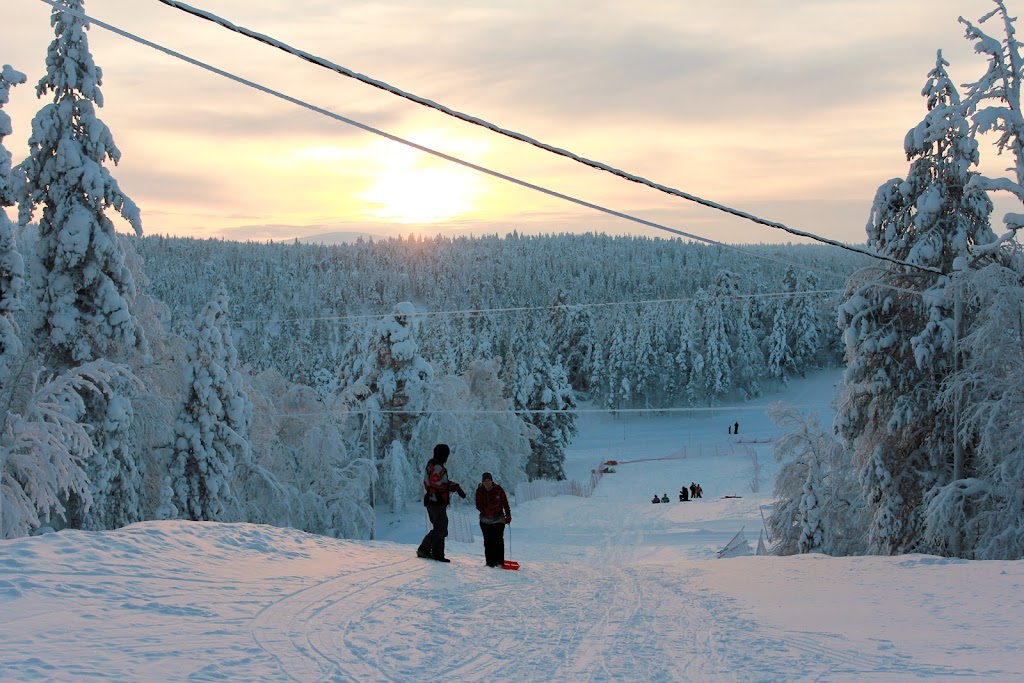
x,y
531,309
542,411
427,150
319,61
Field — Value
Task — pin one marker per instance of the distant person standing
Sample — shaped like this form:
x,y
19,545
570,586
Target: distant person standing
x,y
730,429
438,489
700,492
693,490
495,513
736,428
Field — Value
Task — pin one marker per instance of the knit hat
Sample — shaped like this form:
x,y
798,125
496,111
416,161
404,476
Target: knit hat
x,y
487,477
441,452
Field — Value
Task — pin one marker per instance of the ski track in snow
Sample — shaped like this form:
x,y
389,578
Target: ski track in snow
x,y
611,588
300,631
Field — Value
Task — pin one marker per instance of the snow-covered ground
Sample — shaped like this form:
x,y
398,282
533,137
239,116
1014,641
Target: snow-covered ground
x,y
611,588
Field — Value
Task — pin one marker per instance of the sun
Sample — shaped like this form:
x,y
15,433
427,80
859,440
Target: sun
x,y
409,186
421,195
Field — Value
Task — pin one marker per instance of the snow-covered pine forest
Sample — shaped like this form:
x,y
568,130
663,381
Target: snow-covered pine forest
x,y
299,385
627,316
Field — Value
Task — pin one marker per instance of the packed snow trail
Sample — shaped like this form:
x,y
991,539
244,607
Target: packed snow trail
x,y
611,588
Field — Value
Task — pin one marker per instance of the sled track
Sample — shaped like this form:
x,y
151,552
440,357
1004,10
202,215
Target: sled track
x,y
299,630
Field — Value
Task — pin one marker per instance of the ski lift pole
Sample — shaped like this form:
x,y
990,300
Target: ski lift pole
x,y
373,491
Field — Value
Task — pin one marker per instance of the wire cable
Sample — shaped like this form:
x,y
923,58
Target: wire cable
x,y
530,309
427,150
121,32
319,61
544,411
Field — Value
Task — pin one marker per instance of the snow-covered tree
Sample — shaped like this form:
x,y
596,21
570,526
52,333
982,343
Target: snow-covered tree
x,y
619,366
304,471
399,474
472,415
12,266
114,468
748,362
812,532
898,320
211,432
806,334
569,337
716,349
395,381
689,360
43,447
979,516
994,105
818,506
82,284
548,403
335,490
780,357
643,382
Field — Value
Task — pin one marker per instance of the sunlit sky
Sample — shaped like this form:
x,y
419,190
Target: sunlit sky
x,y
793,110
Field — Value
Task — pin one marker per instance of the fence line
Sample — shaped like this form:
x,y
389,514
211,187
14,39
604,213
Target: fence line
x,y
544,488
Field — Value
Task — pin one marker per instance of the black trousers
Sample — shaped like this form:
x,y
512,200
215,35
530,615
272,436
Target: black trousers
x,y
494,543
433,542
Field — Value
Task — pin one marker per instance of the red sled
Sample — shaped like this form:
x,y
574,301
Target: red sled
x,y
510,564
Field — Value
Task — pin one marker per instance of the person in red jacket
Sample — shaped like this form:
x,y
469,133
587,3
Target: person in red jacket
x,y
438,489
495,513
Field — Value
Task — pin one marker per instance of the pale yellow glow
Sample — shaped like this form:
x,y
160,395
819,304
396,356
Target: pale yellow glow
x,y
421,195
409,186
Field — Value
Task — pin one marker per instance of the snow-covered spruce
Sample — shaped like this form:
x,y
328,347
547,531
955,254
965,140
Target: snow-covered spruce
x,y
12,266
43,447
211,432
898,322
392,385
79,273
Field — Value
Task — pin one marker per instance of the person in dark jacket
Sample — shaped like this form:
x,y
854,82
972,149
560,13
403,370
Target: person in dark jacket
x,y
693,490
438,489
495,513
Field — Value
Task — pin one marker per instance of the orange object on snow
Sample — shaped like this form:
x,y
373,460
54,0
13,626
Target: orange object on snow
x,y
510,564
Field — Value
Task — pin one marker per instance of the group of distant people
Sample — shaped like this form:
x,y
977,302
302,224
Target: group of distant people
x,y
685,493
734,428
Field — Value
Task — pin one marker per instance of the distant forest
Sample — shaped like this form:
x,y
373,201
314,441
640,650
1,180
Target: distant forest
x,y
634,321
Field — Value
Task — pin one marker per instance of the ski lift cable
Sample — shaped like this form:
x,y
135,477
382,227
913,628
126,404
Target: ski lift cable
x,y
147,43
427,150
535,411
319,61
528,309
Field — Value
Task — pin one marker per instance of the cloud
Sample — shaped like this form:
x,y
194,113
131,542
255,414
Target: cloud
x,y
768,105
